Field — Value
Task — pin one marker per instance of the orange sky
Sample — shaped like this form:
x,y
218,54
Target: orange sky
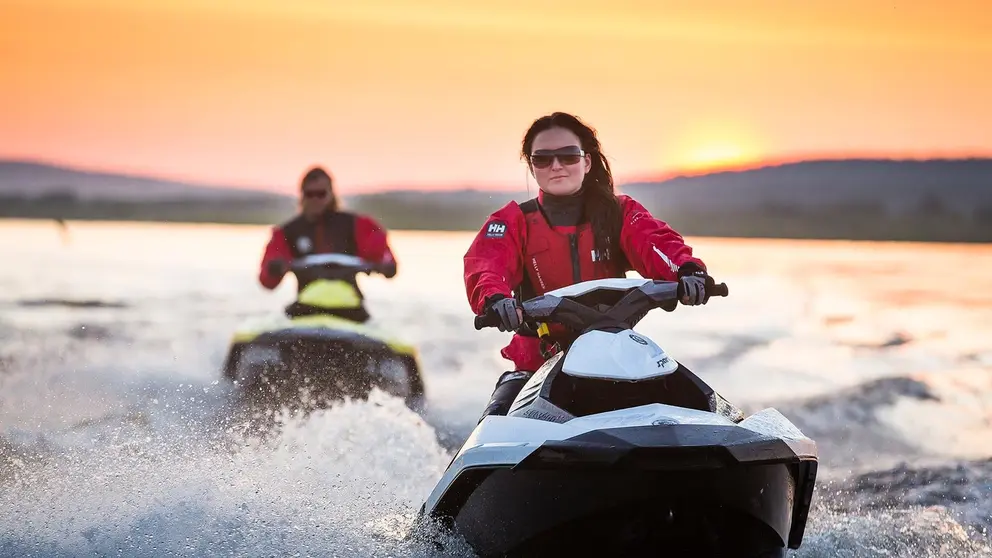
x,y
439,92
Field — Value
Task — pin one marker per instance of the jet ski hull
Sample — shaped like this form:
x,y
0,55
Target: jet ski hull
x,y
324,363
701,490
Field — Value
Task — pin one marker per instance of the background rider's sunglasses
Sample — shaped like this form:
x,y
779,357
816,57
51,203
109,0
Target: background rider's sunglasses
x,y
542,158
315,194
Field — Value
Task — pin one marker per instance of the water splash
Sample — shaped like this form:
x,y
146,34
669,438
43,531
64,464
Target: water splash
x,y
315,487
914,532
108,443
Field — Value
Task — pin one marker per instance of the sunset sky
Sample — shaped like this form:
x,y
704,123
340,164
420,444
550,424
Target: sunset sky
x,y
438,93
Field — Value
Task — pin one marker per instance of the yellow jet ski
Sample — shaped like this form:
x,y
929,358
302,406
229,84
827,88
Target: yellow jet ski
x,y
320,344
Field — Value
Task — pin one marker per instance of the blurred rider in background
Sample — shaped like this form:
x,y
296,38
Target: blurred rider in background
x,y
323,228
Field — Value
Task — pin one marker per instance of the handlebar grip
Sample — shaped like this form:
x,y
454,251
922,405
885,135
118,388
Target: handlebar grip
x,y
720,290
486,321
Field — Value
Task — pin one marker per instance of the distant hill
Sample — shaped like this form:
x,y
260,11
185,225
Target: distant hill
x,y
894,187
453,210
940,200
35,190
929,200
27,179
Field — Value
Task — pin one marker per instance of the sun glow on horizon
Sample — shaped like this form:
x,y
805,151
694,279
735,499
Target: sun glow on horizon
x,y
713,145
717,156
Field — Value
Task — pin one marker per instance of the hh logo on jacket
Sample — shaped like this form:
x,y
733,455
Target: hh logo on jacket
x,y
496,229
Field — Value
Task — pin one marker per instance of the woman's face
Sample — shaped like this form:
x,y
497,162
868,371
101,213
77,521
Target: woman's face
x,y
558,162
315,196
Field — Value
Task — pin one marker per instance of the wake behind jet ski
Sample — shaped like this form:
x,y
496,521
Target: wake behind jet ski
x,y
615,448
319,344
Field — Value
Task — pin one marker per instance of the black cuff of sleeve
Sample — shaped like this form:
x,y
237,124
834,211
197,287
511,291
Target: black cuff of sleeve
x,y
490,300
688,268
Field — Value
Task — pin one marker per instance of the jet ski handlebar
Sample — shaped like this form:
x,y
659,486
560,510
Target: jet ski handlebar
x,y
719,289
627,301
333,261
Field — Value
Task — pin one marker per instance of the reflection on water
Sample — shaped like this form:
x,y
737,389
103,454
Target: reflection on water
x,y
116,431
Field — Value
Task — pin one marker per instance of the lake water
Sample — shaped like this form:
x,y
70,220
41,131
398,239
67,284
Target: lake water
x,y
108,411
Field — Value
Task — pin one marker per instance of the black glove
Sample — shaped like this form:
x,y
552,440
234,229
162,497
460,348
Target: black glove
x,y
277,268
692,282
507,310
387,269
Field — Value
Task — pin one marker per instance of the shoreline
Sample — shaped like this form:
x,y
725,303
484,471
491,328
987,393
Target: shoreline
x,y
687,231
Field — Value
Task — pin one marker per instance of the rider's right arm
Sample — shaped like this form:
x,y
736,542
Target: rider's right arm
x,y
493,261
277,249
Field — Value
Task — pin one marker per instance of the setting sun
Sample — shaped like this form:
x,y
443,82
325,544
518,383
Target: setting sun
x,y
710,145
717,155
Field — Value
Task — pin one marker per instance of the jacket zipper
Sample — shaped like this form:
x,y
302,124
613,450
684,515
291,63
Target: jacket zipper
x,y
576,268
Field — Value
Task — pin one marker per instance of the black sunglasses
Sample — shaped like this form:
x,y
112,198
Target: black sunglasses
x,y
316,194
542,158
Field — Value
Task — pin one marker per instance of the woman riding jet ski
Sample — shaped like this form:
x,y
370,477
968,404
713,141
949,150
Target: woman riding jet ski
x,y
598,442
322,343
576,230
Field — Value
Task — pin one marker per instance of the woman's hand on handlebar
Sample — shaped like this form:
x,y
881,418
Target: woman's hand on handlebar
x,y
696,286
692,287
509,313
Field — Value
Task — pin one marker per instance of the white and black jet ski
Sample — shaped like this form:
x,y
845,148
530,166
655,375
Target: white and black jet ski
x,y
613,448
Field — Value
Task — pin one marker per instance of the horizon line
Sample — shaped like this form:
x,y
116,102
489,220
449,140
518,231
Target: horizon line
x,y
784,160
380,188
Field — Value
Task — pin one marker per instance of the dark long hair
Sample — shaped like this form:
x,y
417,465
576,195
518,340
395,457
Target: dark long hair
x,y
600,206
317,173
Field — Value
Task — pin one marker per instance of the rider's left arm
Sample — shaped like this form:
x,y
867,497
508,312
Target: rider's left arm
x,y
654,249
373,245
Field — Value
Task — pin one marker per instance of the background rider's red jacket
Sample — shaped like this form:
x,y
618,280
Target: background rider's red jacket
x,y
495,265
364,237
